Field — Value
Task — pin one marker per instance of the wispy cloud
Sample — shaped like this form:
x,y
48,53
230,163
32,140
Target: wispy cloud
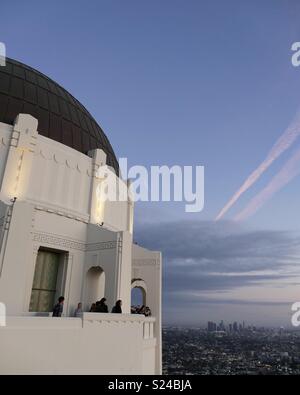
x,y
288,172
286,140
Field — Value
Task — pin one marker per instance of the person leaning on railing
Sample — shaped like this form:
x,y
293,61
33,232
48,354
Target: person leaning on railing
x,y
59,307
117,309
101,306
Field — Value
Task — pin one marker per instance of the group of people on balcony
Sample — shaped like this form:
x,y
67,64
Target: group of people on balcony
x,y
145,310
100,307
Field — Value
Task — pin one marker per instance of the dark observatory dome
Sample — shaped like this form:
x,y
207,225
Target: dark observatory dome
x,y
61,117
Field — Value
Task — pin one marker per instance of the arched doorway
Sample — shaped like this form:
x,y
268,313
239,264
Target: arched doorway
x,y
95,286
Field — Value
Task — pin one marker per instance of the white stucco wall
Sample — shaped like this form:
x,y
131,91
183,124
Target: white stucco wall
x,y
98,344
52,175
146,266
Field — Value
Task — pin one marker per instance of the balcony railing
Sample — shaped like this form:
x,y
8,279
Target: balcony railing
x,y
147,323
148,328
45,319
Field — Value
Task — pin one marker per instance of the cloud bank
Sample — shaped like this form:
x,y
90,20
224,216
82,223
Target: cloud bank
x,y
218,258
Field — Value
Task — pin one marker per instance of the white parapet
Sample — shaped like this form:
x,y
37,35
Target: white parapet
x,y
94,344
56,177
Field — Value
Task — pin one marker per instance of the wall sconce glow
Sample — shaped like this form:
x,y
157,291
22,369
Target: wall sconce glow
x,y
2,55
100,202
2,314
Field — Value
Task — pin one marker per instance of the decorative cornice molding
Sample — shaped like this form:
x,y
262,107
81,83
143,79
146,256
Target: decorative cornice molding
x,y
65,159
58,241
69,244
145,262
105,245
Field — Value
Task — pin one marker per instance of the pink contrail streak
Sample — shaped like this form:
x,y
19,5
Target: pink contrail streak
x,y
289,136
289,171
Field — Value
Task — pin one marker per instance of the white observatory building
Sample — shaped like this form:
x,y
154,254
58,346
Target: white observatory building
x,y
58,238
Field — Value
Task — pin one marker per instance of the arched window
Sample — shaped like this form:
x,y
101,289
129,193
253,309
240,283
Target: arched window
x,y
138,297
138,293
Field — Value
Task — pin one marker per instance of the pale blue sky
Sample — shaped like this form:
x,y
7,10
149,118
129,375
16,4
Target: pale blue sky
x,y
192,82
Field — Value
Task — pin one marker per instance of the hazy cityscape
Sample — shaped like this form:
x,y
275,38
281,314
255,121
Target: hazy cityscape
x,y
231,349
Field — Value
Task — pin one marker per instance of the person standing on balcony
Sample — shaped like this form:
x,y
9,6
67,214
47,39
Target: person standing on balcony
x,y
117,309
59,307
147,312
101,307
78,312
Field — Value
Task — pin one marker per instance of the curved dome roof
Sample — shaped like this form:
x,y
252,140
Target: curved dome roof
x,y
61,117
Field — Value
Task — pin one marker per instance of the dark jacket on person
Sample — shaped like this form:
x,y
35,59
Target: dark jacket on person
x,y
58,310
117,309
101,308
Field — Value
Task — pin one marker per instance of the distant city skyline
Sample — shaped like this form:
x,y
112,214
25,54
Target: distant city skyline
x,y
248,352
